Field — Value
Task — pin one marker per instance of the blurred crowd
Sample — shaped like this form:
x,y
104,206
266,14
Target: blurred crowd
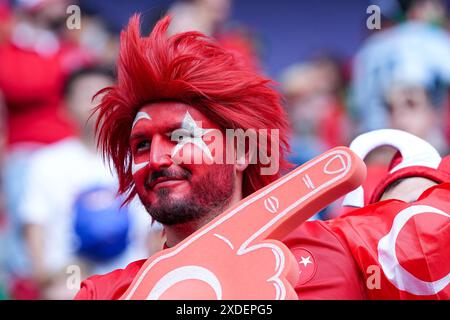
x,y
59,213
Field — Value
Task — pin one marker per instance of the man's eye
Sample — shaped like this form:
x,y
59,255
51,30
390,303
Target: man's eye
x,y
180,135
143,145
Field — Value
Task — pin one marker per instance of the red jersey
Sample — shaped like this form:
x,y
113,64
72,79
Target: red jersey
x,y
32,86
402,248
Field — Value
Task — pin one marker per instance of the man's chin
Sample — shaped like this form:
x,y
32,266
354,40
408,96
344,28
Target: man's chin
x,y
170,208
179,203
177,212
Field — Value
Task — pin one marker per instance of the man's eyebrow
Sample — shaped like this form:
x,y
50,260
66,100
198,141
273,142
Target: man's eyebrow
x,y
169,129
138,135
174,127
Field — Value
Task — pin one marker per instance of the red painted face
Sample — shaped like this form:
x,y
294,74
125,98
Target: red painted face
x,y
169,140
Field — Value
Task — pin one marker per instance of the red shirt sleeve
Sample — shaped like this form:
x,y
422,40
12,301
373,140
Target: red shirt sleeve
x,y
87,291
327,268
110,286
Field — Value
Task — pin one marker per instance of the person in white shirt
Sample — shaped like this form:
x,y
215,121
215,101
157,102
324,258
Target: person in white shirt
x,y
58,175
414,55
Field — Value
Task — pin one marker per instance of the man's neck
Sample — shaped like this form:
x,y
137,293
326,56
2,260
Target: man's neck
x,y
177,233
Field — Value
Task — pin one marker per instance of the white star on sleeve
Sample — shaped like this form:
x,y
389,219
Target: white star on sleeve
x,y
306,261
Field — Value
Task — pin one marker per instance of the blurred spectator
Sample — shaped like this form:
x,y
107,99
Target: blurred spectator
x,y
31,77
318,117
33,65
400,80
406,67
210,17
2,136
313,102
411,108
3,221
69,213
5,20
94,38
206,16
37,53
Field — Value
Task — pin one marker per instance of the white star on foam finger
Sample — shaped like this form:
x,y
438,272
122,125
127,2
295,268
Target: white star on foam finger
x,y
196,132
306,261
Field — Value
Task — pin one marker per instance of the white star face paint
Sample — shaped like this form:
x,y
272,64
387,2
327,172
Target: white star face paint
x,y
135,167
189,132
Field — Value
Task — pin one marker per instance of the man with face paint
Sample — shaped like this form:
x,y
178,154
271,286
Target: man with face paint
x,y
163,125
184,196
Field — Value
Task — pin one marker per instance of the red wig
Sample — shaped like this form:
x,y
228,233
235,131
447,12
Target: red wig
x,y
193,69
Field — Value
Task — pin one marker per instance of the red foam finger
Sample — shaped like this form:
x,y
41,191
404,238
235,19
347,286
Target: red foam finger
x,y
236,256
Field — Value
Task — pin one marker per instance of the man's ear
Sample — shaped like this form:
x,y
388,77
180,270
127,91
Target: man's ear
x,y
242,161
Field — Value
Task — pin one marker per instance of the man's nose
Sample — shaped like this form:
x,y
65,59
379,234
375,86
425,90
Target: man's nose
x,y
160,153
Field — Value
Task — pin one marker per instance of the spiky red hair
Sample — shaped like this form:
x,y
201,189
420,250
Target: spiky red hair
x,y
193,69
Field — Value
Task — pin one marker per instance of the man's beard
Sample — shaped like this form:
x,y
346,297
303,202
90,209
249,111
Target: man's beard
x,y
208,198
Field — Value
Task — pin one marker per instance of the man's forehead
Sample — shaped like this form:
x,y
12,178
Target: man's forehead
x,y
173,107
170,108
169,113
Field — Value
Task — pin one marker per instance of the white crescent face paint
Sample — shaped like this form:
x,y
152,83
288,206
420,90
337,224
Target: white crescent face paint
x,y
194,136
135,167
140,115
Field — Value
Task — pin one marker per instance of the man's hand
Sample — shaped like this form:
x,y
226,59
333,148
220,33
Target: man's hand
x,y
238,255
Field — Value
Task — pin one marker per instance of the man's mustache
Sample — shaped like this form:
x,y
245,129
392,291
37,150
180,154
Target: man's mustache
x,y
169,174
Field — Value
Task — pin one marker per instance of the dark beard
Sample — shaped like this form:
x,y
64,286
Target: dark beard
x,y
209,197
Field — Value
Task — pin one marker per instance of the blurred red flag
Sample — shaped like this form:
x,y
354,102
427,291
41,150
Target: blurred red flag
x,y
402,248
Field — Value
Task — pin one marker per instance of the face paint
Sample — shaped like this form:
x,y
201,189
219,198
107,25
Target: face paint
x,y
175,192
141,115
135,167
190,133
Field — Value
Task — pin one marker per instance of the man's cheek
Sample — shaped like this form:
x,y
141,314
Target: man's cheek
x,y
189,155
192,154
217,148
139,178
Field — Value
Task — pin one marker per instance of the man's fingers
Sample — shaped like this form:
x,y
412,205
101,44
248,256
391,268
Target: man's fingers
x,y
277,209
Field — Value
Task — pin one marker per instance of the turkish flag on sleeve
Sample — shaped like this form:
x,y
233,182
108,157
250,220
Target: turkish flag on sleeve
x,y
402,249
